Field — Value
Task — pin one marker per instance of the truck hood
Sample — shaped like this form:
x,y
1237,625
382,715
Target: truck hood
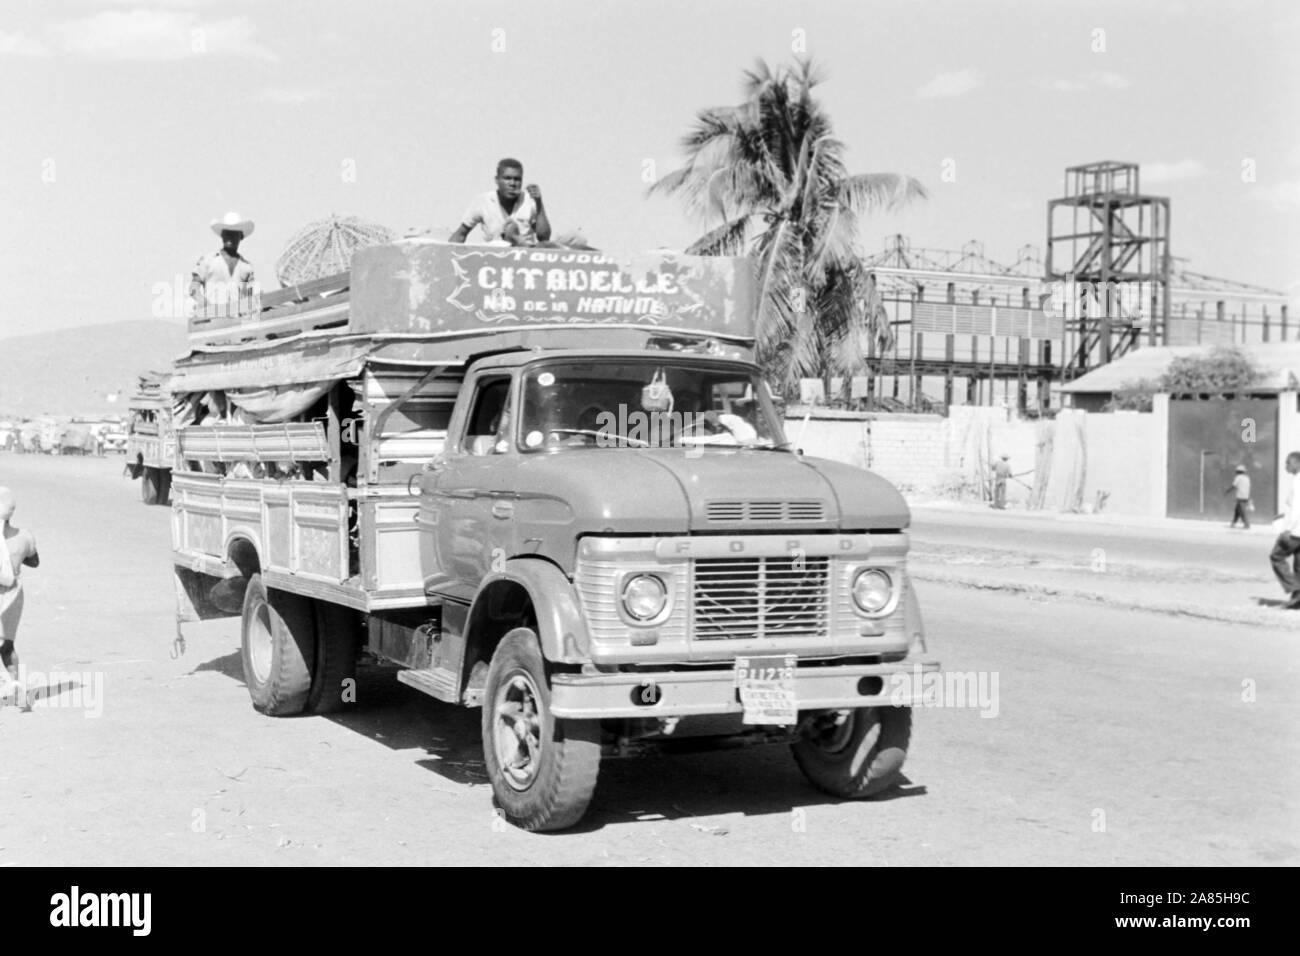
x,y
676,491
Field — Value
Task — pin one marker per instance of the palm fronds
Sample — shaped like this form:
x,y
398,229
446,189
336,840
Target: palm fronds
x,y
767,176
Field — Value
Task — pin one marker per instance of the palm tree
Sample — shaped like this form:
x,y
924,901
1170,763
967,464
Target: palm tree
x,y
768,177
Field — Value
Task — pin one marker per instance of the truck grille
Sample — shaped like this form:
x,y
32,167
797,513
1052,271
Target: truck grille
x,y
741,598
770,510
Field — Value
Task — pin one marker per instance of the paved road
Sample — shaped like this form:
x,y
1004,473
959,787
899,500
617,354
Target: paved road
x,y
1169,543
1193,569
1119,737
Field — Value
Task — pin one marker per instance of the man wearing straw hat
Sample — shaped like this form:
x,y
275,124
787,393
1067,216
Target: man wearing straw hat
x,y
222,282
17,547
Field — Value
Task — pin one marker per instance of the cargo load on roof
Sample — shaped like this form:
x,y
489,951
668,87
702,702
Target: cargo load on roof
x,y
433,289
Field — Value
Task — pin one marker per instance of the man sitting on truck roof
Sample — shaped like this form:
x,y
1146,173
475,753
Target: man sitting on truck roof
x,y
508,214
223,280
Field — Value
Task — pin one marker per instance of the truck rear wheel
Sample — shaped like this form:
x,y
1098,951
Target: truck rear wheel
x,y
149,486
858,755
543,769
334,674
278,632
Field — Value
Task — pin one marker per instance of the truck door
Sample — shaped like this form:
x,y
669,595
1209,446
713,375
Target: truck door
x,y
472,501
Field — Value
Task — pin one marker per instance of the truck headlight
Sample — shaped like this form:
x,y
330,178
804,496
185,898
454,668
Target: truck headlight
x,y
872,590
644,597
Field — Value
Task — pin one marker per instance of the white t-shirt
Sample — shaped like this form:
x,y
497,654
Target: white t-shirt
x,y
225,291
486,211
1291,516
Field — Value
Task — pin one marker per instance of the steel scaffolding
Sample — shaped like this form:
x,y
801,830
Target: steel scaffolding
x,y
1108,263
958,315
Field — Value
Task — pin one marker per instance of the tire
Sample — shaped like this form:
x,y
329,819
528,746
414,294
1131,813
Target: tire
x,y
164,486
278,639
861,757
549,789
336,659
149,486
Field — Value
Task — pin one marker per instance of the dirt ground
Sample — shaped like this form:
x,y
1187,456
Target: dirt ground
x,y
1119,737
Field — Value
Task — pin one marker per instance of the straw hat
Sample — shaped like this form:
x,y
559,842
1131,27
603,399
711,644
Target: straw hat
x,y
232,222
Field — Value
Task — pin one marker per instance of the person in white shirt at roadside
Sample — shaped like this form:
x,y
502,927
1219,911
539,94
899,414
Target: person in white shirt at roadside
x,y
1241,485
1285,555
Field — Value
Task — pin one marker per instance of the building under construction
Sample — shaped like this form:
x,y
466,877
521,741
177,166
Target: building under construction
x,y
971,330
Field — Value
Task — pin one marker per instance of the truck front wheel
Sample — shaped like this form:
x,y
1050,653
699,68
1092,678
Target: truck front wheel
x,y
543,769
855,754
278,632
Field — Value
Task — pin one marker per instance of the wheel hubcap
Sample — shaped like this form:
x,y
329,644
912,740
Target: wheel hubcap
x,y
260,643
833,734
518,731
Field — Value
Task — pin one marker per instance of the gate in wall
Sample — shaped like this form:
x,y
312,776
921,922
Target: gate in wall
x,y
1208,438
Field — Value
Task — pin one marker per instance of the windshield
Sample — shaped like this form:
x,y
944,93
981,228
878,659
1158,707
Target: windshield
x,y
644,404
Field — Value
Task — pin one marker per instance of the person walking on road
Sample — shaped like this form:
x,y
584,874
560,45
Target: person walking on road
x,y
1241,484
17,547
1001,472
1285,555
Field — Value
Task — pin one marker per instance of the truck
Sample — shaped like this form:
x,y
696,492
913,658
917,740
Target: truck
x,y
150,438
113,432
553,486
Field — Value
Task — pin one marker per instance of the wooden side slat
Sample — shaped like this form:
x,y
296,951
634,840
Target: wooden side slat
x,y
286,441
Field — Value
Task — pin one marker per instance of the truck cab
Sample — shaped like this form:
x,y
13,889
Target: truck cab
x,y
686,574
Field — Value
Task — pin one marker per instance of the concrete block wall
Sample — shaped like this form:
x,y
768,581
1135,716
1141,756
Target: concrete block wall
x,y
840,439
1158,457
1122,453
910,453
1122,449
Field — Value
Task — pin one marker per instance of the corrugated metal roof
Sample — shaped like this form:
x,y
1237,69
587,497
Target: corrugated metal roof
x,y
1279,360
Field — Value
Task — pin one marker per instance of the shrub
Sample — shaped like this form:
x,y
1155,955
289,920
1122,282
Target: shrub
x,y
1224,369
1133,397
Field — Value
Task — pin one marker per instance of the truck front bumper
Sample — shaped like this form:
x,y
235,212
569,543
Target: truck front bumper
x,y
693,693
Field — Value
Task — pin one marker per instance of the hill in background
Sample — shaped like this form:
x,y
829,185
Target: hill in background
x,y
75,371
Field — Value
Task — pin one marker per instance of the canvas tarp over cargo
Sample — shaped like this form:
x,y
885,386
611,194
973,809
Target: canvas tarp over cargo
x,y
433,288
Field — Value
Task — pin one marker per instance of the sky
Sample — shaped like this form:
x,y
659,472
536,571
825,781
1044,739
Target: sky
x,y
126,126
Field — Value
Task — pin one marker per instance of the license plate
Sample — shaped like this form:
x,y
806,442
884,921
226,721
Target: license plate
x,y
765,686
